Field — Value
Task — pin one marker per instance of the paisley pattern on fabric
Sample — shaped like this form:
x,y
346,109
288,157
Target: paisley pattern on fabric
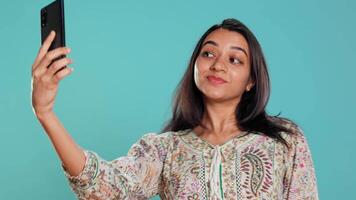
x,y
176,165
257,167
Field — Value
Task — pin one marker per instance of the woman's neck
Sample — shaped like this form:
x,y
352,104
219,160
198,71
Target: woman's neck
x,y
219,118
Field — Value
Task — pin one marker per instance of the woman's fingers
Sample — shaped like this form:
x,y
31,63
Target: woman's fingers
x,y
57,66
48,58
62,73
44,48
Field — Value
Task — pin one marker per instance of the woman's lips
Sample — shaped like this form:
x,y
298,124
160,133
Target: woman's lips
x,y
216,80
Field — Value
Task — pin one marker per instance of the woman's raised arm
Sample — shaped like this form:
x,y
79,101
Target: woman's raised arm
x,y
46,75
135,176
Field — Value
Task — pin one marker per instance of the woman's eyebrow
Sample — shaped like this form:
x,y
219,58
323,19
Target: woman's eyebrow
x,y
233,47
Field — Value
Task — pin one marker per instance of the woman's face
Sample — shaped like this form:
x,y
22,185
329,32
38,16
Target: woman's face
x,y
222,68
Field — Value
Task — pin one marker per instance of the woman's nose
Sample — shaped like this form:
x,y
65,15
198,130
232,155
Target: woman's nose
x,y
218,65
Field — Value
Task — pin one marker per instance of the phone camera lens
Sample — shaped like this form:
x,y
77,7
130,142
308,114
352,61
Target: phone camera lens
x,y
43,17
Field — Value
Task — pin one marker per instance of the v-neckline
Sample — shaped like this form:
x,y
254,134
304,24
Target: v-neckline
x,y
195,135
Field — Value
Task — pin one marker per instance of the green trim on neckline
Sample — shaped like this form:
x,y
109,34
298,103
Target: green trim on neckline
x,y
221,188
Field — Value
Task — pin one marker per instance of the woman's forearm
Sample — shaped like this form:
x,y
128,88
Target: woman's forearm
x,y
71,155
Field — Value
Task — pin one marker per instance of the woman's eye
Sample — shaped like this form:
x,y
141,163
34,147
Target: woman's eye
x,y
235,61
207,54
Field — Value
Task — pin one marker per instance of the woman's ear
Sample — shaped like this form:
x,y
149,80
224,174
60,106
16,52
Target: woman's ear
x,y
250,85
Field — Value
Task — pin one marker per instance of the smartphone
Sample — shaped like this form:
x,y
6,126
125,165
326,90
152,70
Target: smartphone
x,y
52,18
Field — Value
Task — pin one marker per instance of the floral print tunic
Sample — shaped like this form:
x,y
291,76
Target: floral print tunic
x,y
182,165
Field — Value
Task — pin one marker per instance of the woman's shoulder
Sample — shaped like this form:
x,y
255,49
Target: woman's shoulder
x,y
166,135
163,139
295,134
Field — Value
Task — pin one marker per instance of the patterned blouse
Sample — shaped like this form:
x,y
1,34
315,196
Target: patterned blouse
x,y
182,165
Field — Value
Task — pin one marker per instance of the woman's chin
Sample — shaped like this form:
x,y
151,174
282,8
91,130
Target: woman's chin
x,y
216,97
219,97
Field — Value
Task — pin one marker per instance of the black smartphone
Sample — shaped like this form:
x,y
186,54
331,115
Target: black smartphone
x,y
52,18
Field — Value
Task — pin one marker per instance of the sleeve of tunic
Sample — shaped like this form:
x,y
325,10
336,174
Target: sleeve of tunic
x,y
300,179
135,176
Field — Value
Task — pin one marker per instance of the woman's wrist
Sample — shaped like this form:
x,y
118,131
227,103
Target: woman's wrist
x,y
44,115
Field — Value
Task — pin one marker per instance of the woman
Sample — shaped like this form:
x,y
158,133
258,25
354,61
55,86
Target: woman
x,y
219,144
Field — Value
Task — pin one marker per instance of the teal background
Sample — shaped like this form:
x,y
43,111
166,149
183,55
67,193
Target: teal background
x,y
128,58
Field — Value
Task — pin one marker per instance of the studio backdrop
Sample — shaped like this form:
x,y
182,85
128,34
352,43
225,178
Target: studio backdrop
x,y
129,57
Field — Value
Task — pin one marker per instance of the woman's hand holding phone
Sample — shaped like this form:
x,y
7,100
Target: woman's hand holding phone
x,y
47,72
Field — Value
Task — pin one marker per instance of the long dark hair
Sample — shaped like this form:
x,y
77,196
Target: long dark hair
x,y
188,104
